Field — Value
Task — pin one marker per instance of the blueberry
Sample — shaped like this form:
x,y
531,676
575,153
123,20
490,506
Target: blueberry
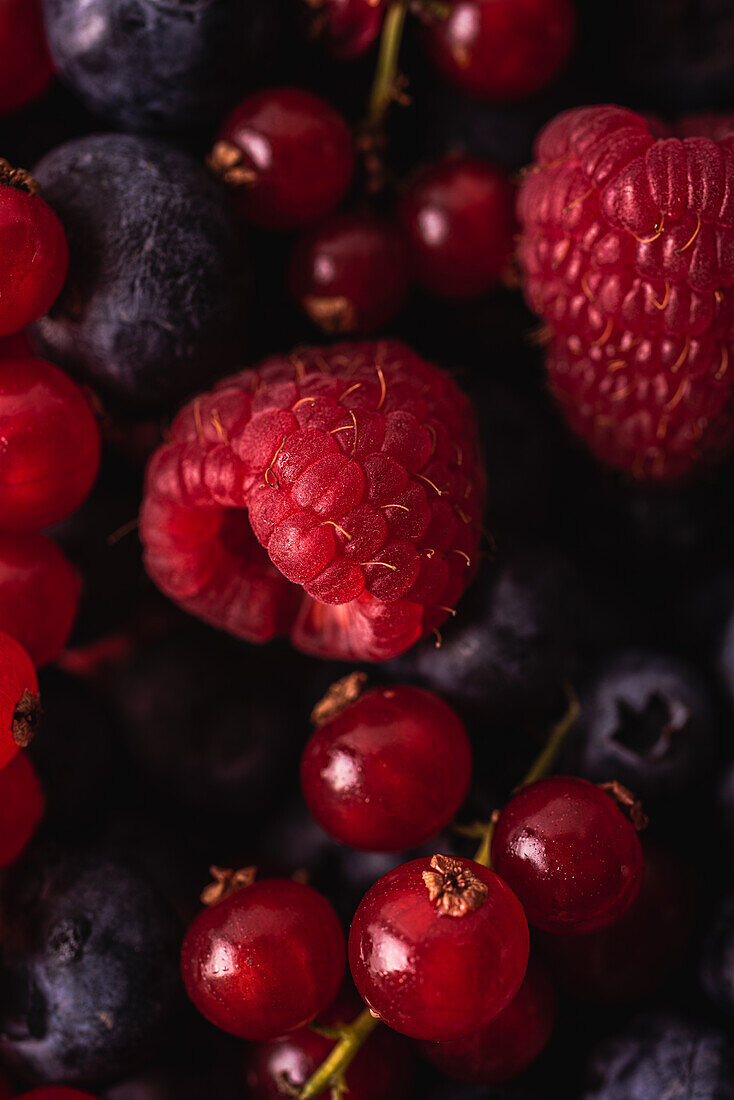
x,y
153,304
661,1055
717,964
648,721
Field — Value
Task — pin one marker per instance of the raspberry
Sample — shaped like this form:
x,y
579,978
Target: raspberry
x,y
358,468
627,251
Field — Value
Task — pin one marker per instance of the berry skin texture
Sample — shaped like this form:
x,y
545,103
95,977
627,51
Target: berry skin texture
x,y
357,468
458,220
509,1043
264,961
39,594
625,251
431,973
350,273
389,771
20,706
35,256
569,853
288,155
349,27
52,445
25,66
502,49
21,806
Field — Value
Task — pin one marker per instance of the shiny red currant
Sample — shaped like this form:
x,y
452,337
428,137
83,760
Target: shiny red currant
x,y
502,49
51,445
570,854
265,960
351,273
458,219
20,703
288,155
39,594
438,947
388,771
25,65
21,806
34,257
350,27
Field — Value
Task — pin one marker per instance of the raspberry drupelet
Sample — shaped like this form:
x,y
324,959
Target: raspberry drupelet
x,y
335,494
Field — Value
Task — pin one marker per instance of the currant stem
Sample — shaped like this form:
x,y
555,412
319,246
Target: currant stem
x,y
330,1073
384,84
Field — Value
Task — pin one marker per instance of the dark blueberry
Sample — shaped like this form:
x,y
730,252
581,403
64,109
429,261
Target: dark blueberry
x,y
647,720
161,65
662,1055
153,304
89,976
717,964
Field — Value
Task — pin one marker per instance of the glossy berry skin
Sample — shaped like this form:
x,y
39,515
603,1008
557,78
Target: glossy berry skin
x,y
431,975
52,445
289,156
34,251
21,806
20,710
509,1043
350,273
349,27
502,49
458,221
39,594
265,960
569,853
389,771
25,66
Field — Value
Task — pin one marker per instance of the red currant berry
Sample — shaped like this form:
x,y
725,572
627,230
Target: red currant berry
x,y
502,49
51,445
265,960
350,26
569,853
382,1070
389,771
288,154
509,1043
351,273
39,594
56,1092
25,65
20,704
458,220
34,257
438,947
21,807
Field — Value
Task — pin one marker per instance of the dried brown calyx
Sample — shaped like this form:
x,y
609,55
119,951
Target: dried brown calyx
x,y
340,695
628,803
335,314
453,887
227,162
17,177
26,717
226,882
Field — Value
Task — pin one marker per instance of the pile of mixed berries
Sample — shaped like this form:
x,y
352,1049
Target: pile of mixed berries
x,y
366,550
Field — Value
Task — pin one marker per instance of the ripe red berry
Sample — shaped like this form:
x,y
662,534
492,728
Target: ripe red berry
x,y
388,771
509,1043
351,273
21,806
265,960
51,445
569,853
20,704
438,947
25,65
458,220
39,594
358,467
288,154
502,49
350,27
33,249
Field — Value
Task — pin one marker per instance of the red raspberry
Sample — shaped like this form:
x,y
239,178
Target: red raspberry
x,y
358,467
627,251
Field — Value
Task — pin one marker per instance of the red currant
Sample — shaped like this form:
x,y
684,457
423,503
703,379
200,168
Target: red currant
x,y
51,445
25,65
458,220
509,1043
34,257
20,704
438,947
39,594
502,49
351,273
288,154
569,853
350,26
265,960
21,807
389,771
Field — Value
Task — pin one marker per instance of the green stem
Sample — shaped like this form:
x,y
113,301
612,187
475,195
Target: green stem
x,y
330,1073
483,853
547,758
384,84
